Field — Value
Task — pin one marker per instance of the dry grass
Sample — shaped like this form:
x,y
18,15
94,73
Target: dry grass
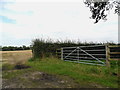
x,y
14,57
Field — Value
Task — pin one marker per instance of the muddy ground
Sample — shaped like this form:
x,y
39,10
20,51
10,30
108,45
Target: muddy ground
x,y
39,80
43,80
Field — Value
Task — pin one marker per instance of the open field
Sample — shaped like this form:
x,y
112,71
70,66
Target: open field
x,y
54,73
15,56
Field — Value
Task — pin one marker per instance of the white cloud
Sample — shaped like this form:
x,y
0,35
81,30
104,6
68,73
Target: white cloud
x,y
57,20
48,0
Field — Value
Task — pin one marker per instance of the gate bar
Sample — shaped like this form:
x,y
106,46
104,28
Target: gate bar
x,y
85,46
91,56
70,53
85,63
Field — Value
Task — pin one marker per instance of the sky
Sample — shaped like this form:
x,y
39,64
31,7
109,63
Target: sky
x,y
22,21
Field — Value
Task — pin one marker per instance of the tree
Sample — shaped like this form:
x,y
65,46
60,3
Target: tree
x,y
100,8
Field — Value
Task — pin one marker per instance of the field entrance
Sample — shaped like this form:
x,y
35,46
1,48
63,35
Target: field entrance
x,y
95,54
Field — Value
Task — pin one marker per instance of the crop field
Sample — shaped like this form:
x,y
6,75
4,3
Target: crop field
x,y
13,57
49,72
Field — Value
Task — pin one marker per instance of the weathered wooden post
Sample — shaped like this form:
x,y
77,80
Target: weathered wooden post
x,y
61,53
33,53
78,53
57,53
107,56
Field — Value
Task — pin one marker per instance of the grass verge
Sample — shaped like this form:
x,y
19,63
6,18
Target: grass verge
x,y
81,73
85,75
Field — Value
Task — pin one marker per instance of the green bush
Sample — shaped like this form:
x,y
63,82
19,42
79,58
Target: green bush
x,y
45,48
113,64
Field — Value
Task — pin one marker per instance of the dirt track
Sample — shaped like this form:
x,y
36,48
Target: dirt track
x,y
39,80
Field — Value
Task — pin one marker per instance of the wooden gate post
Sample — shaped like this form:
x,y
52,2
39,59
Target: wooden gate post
x,y
107,56
33,53
61,53
78,53
57,53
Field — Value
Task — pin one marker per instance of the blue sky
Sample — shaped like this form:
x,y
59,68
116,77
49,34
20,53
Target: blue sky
x,y
5,19
21,21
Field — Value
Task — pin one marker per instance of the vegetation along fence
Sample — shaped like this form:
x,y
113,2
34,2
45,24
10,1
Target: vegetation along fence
x,y
94,54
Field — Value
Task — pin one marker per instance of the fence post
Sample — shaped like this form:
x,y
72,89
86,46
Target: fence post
x,y
78,53
33,53
61,53
56,53
107,56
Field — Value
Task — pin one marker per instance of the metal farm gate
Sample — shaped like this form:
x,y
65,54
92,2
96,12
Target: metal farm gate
x,y
95,54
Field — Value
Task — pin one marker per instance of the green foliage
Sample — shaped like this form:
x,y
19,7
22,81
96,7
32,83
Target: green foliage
x,y
31,59
114,63
40,48
46,48
81,73
100,8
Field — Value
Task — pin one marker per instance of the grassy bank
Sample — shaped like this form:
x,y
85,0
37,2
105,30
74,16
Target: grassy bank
x,y
85,75
81,73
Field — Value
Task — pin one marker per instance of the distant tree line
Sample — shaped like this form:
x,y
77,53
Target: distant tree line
x,y
14,48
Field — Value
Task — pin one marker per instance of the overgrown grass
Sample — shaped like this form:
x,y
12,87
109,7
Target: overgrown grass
x,y
81,73
7,66
9,71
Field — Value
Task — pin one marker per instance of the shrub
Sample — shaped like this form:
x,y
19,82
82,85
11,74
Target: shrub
x,y
45,48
